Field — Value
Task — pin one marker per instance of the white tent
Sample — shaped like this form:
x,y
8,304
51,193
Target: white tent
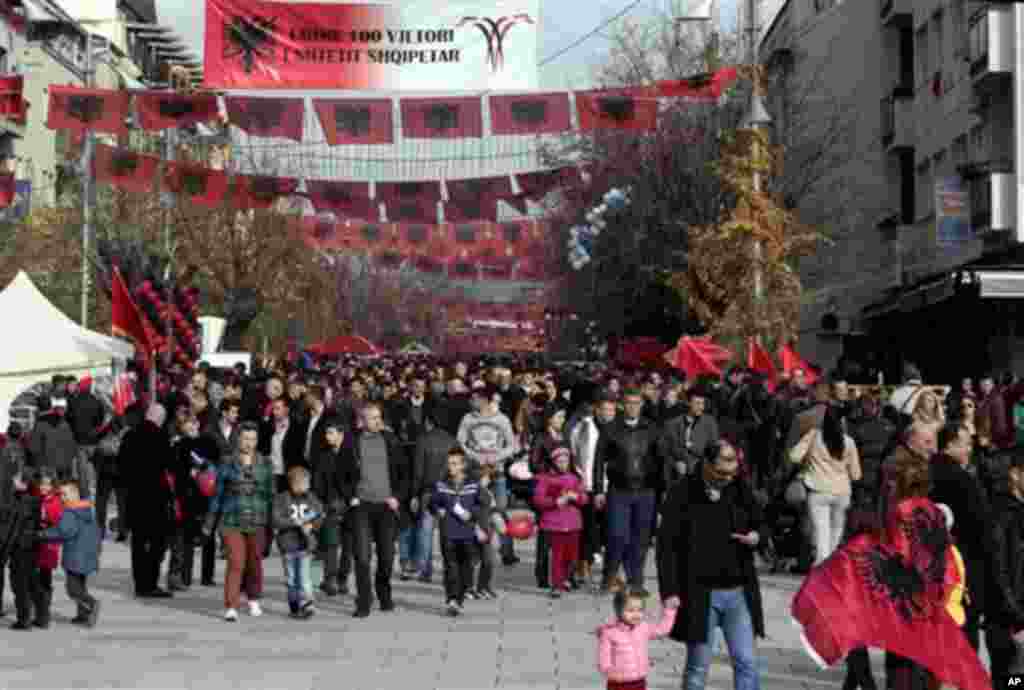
x,y
43,342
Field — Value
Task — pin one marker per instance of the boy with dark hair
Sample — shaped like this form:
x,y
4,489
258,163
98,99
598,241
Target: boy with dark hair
x,y
456,503
81,536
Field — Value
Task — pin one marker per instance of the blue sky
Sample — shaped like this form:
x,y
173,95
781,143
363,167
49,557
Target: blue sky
x,y
563,22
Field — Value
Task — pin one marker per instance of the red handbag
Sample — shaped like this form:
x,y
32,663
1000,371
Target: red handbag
x,y
207,482
520,527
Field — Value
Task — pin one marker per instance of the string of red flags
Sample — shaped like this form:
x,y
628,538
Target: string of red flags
x,y
347,121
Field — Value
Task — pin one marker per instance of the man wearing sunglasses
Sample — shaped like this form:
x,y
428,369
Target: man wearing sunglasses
x,y
710,529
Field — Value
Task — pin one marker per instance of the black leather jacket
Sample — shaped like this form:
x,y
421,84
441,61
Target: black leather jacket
x,y
629,456
1005,606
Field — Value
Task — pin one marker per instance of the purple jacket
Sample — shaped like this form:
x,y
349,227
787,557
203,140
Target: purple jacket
x,y
555,518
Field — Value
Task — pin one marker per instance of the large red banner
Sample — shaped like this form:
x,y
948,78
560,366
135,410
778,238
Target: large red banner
x,y
466,45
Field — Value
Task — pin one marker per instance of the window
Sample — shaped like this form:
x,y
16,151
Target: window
x,y
960,151
938,41
923,56
925,192
939,161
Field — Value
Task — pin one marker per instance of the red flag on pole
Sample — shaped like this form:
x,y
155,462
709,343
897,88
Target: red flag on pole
x,y
126,321
792,361
760,361
698,357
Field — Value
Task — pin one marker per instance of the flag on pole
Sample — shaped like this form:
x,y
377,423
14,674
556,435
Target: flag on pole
x,y
126,321
792,361
760,361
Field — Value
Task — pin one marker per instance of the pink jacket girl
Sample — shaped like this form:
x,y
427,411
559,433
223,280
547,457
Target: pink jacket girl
x,y
555,515
622,653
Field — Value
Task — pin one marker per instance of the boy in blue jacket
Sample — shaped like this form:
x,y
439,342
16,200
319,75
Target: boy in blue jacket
x,y
81,536
456,503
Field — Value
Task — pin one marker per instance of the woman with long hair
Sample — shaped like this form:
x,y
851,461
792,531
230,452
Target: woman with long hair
x,y
548,445
830,466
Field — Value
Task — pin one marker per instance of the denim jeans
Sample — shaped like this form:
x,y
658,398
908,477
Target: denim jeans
x,y
728,611
630,521
416,544
298,574
501,498
827,513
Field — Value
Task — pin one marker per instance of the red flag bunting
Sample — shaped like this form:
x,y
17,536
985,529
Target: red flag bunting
x,y
267,117
760,361
12,104
345,199
124,169
356,121
698,357
159,110
125,317
704,87
199,185
791,361
888,590
442,118
100,110
414,202
626,109
476,199
261,191
541,113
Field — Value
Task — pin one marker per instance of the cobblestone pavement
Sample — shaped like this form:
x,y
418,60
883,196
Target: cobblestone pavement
x,y
522,640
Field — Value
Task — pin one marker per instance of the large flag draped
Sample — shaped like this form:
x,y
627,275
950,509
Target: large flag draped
x,y
126,320
698,357
889,590
791,361
760,361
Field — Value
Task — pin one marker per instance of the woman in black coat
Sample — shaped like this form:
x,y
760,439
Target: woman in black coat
x,y
710,528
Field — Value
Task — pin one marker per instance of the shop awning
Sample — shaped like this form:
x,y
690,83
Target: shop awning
x,y
911,298
1001,284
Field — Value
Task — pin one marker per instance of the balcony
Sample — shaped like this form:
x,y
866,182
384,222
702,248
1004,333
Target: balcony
x,y
993,199
898,120
990,43
898,13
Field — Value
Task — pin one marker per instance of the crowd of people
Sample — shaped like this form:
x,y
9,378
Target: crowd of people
x,y
342,462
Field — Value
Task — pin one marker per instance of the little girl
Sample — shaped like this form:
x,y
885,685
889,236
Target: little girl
x,y
558,496
622,642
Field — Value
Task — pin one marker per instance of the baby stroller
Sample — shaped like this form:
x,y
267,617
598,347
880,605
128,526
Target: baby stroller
x,y
788,549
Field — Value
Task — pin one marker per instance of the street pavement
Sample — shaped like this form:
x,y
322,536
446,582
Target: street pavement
x,y
522,640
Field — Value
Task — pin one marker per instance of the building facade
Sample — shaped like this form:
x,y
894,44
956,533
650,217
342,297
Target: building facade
x,y
926,252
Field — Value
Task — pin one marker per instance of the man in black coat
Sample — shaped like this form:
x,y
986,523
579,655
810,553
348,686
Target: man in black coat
x,y
51,445
335,481
685,438
381,498
954,486
429,465
711,526
145,459
1004,614
634,476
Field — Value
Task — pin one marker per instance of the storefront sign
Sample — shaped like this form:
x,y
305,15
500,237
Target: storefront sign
x,y
461,45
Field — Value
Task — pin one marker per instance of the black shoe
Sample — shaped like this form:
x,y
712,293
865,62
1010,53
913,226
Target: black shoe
x,y
209,583
176,587
423,577
21,625
555,593
453,608
543,584
3,613
330,589
42,623
343,589
121,538
80,620
510,560
93,616
387,606
155,594
361,613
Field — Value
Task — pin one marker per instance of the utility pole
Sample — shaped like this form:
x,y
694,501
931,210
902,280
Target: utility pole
x,y
752,61
87,187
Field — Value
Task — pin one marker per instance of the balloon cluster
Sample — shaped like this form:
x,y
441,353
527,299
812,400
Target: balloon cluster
x,y
582,237
183,314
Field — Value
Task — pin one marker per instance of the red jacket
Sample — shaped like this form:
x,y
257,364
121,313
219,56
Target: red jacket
x,y
48,553
555,518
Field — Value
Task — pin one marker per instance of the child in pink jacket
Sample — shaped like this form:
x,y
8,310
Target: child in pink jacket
x,y
558,496
622,643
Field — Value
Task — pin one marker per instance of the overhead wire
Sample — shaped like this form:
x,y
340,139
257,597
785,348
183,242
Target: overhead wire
x,y
586,37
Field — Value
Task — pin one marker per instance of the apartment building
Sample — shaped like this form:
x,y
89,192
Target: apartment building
x,y
927,252
44,41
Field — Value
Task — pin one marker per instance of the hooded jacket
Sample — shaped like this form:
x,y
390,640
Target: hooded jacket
x,y
622,654
81,536
52,445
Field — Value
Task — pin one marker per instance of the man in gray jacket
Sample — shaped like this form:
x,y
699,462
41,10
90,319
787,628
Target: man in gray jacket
x,y
429,466
685,438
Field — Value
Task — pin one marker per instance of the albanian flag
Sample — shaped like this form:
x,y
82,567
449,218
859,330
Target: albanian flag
x,y
261,191
267,117
124,169
626,109
199,185
538,113
159,110
355,121
889,590
76,109
344,199
442,118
